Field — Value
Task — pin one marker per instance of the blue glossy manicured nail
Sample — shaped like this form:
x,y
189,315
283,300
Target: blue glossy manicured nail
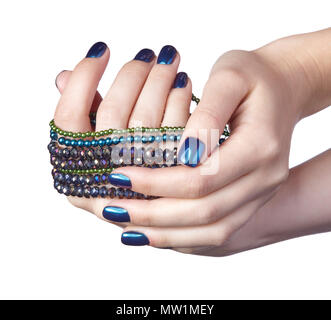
x,y
180,80
133,238
97,50
117,214
167,55
191,151
120,180
145,55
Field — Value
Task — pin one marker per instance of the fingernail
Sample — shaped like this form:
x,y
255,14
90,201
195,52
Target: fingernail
x,y
119,180
145,55
133,238
167,55
191,151
97,50
116,214
180,80
57,78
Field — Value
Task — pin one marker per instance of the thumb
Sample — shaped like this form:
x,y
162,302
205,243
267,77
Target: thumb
x,y
222,94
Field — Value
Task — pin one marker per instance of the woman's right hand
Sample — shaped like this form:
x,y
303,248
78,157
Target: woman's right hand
x,y
147,92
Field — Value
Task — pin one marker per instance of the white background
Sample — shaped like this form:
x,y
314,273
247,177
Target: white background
x,y
49,249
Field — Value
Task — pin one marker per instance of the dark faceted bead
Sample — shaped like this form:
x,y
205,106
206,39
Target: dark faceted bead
x,y
74,153
79,191
54,172
87,192
112,192
51,146
97,179
59,188
53,160
56,184
66,190
75,179
81,180
72,191
120,193
89,179
64,165
94,192
106,151
89,154
72,165
67,178
88,164
104,178
103,163
98,153
129,193
126,194
66,153
80,164
103,192
96,164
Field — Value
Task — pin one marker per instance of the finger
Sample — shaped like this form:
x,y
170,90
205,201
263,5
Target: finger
x,y
171,212
222,94
61,82
150,105
72,112
214,234
177,108
236,157
117,105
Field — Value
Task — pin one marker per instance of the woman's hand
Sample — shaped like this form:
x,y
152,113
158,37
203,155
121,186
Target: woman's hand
x,y
147,91
262,94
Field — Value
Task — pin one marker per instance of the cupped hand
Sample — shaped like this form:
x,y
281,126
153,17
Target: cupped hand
x,y
218,188
147,92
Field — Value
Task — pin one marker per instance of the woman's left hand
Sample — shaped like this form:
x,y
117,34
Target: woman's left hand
x,y
204,203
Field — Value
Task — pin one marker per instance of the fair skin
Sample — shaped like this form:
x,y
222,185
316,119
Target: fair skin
x,y
247,202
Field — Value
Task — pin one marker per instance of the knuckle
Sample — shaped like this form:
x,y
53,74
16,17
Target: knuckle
x,y
160,74
159,239
207,215
196,186
219,237
144,217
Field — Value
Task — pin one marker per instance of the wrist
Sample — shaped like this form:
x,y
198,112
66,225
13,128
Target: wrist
x,y
303,63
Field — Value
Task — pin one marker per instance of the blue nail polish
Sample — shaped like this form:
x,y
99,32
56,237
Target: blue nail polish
x,y
191,152
167,55
145,55
133,238
116,214
180,80
120,180
97,50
